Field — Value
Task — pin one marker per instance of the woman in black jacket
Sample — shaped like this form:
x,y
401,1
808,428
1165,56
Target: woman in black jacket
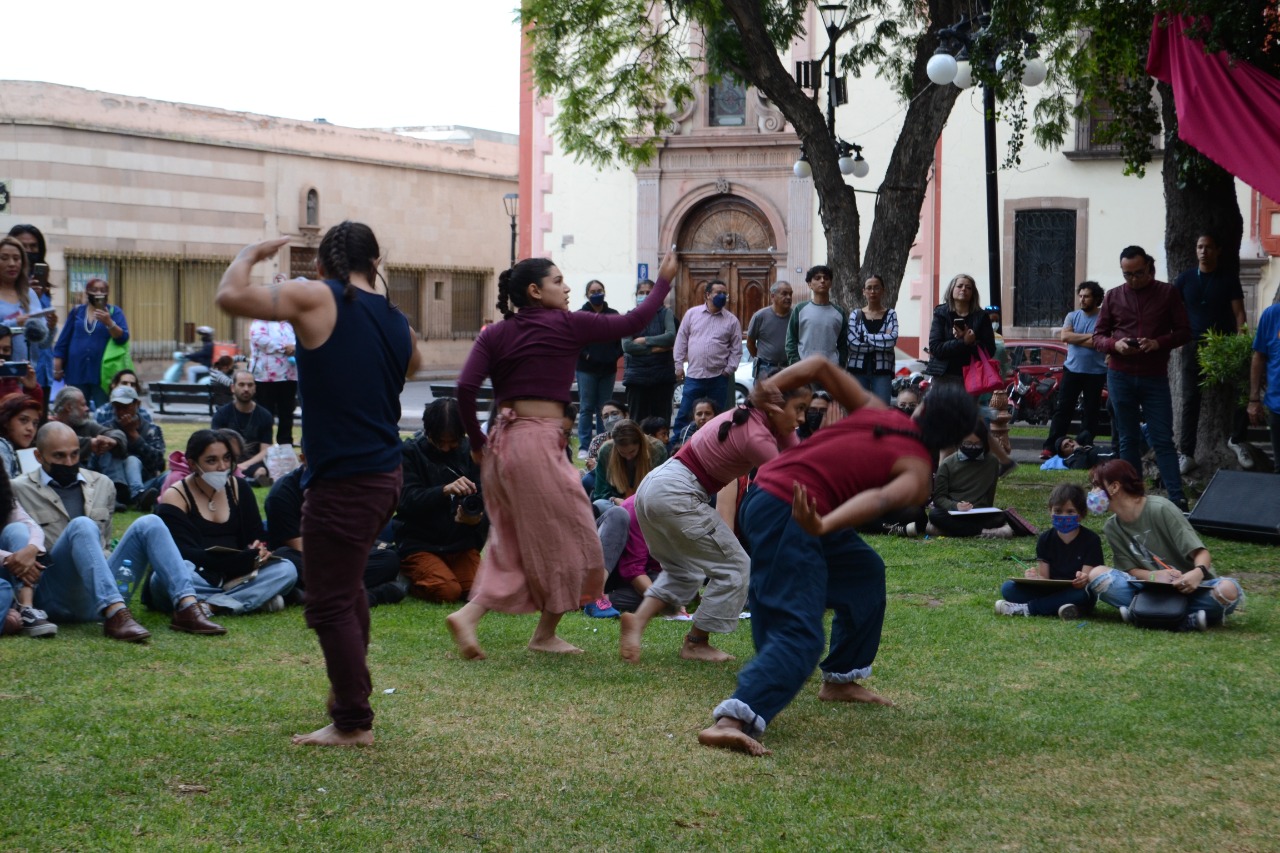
x,y
650,372
597,367
960,327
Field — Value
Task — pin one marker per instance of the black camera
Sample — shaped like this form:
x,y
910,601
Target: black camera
x,y
471,505
1133,342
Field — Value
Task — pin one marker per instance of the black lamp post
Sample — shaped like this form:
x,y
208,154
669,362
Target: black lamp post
x,y
944,68
807,76
511,202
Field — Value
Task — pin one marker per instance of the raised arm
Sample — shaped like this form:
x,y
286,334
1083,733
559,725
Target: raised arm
x,y
288,300
842,387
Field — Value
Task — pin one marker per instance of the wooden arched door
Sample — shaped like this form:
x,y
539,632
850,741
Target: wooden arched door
x,y
728,238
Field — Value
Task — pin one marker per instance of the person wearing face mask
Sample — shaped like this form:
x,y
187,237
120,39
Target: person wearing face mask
x,y
710,341
214,520
77,355
597,366
965,482
815,414
1068,552
77,580
614,412
649,373
1151,540
907,401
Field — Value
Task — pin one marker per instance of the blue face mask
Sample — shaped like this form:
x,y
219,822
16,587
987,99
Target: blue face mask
x,y
720,300
1099,501
1066,523
596,298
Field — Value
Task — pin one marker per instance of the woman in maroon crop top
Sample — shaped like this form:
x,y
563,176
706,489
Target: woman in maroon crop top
x,y
543,553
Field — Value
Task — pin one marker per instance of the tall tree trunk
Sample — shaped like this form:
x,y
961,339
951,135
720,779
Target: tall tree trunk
x,y
1199,196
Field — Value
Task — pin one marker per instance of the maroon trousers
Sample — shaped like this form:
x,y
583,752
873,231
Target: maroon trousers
x,y
340,520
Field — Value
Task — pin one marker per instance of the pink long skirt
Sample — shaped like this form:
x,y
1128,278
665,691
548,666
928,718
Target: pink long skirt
x,y
543,552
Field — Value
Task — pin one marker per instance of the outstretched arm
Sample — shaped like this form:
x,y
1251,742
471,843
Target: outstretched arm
x,y
285,301
842,387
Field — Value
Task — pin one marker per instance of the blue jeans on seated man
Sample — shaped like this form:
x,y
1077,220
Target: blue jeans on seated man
x,y
14,537
127,471
77,584
1118,589
1132,399
1043,601
717,388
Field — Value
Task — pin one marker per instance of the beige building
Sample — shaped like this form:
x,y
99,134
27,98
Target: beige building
x,y
158,197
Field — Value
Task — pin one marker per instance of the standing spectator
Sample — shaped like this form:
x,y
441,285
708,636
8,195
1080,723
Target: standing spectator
x,y
40,353
873,334
77,356
13,384
16,297
271,346
817,327
1214,301
597,367
252,422
1138,326
1264,369
649,373
767,332
960,328
1085,370
710,340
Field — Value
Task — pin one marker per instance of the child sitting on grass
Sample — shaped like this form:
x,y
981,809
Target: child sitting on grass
x,y
1067,552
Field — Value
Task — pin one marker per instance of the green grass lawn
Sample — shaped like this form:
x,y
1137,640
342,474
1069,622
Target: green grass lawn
x,y
1008,733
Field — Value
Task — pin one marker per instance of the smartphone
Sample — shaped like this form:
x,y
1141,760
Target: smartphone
x,y
959,323
1133,342
40,272
98,302
15,368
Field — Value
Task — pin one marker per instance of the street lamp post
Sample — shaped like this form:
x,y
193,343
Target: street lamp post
x,y
511,202
808,75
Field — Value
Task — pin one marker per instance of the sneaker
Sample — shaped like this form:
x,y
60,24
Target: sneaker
x,y
1125,616
681,615
582,455
146,499
1242,455
274,604
35,623
12,623
1182,504
1185,463
1068,613
1008,608
1196,621
601,608
1002,532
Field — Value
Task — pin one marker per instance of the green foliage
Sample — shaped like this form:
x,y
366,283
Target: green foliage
x,y
1224,360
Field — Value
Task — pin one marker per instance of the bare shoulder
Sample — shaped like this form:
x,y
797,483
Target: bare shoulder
x,y
173,497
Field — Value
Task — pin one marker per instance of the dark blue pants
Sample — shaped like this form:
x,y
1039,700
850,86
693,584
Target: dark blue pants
x,y
695,389
795,578
1045,601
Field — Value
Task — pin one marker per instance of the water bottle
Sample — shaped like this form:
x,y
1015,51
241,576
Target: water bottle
x,y
124,580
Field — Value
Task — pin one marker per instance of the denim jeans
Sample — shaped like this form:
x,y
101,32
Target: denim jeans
x,y
1138,398
6,596
14,537
1273,420
1118,589
127,470
1045,601
78,584
795,578
877,384
594,390
695,389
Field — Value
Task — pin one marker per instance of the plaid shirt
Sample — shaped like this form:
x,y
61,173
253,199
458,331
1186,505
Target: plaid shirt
x,y
880,344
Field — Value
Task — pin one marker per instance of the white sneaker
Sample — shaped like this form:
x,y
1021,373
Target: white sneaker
x,y
582,455
1186,463
1008,608
1068,613
274,605
1246,461
1196,621
1125,616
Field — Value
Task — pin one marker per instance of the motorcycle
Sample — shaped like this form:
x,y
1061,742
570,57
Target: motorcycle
x,y
176,372
1034,398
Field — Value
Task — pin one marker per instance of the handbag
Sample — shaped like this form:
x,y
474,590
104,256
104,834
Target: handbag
x,y
114,359
1159,607
981,376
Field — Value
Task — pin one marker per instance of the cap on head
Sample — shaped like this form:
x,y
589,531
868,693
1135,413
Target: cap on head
x,y
124,394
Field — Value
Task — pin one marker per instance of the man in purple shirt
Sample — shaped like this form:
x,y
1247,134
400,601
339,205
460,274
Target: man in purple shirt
x,y
1140,323
710,340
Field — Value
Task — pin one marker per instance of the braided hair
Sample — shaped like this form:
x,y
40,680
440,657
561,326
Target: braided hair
x,y
346,248
442,419
513,284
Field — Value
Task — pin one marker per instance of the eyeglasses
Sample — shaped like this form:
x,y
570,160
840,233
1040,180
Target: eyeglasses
x,y
1131,276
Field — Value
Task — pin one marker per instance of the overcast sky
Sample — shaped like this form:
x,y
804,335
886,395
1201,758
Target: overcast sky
x,y
369,63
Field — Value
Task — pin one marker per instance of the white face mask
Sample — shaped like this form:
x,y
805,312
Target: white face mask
x,y
217,480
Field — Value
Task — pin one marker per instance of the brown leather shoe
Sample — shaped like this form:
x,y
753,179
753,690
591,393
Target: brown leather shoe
x,y
121,626
194,619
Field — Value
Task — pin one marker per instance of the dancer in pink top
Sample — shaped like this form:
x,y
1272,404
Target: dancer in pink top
x,y
691,541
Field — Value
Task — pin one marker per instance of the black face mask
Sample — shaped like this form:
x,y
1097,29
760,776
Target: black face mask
x,y
64,475
972,451
813,420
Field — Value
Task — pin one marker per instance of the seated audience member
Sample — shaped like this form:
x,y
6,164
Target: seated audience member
x,y
624,461
77,582
98,443
19,420
966,480
658,429
283,508
21,543
214,520
140,474
1068,552
633,569
571,419
704,409
27,383
611,412
819,405
441,520
253,423
907,401
1152,540
107,411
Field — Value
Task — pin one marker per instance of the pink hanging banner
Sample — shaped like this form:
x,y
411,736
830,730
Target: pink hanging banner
x,y
1228,112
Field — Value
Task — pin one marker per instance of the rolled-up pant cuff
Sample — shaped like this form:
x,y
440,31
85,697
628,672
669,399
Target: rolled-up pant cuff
x,y
736,709
847,677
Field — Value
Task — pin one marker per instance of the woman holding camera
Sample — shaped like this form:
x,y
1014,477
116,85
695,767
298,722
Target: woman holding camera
x,y
529,484
960,328
77,356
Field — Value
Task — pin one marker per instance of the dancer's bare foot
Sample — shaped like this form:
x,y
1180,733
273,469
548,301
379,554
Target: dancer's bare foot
x,y
331,735
464,636
728,734
629,638
703,651
850,692
554,645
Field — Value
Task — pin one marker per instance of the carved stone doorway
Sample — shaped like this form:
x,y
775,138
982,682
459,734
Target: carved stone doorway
x,y
727,238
